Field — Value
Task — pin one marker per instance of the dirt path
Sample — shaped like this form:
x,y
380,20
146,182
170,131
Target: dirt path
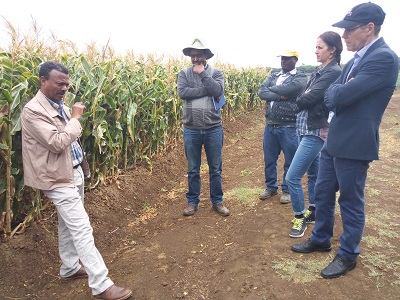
x,y
151,248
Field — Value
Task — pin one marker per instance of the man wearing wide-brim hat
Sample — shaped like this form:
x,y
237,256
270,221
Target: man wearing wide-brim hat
x,y
198,44
198,86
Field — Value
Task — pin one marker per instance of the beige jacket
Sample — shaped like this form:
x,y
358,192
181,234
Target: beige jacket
x,y
46,141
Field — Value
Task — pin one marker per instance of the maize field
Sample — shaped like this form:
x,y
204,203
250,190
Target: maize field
x,y
133,113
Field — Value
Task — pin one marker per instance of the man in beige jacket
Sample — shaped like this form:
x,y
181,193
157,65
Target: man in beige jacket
x,y
53,162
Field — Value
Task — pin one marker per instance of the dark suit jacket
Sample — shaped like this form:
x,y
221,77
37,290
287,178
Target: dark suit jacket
x,y
360,103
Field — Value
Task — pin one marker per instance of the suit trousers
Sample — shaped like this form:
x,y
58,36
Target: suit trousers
x,y
348,176
75,235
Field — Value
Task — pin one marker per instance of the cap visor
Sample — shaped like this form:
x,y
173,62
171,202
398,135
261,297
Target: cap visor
x,y
345,24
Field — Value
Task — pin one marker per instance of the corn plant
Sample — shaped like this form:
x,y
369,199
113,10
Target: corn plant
x,y
133,112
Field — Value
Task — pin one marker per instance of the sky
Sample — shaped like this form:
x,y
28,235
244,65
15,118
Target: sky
x,y
247,33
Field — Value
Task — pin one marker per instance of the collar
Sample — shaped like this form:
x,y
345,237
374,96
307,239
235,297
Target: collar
x,y
364,50
293,72
58,106
321,69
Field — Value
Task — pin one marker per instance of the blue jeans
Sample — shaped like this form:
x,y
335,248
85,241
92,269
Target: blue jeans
x,y
348,176
212,139
277,139
306,159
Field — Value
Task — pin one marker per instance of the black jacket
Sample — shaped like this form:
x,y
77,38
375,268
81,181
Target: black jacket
x,y
313,98
283,112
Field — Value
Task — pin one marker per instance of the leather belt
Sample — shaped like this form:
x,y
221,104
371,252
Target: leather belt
x,y
280,125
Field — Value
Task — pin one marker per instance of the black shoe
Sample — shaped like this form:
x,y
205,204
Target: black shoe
x,y
338,267
310,216
308,247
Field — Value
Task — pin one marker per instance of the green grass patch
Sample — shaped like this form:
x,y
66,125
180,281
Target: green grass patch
x,y
382,219
377,260
246,172
376,242
389,233
245,196
300,270
146,207
371,192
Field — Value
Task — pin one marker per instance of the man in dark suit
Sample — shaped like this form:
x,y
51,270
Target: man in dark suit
x,y
358,99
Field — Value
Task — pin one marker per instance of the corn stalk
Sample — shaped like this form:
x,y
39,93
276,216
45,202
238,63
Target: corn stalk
x,y
133,112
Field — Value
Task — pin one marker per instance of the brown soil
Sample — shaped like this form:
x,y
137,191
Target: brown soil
x,y
151,248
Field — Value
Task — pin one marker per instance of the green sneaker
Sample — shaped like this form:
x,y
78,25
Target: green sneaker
x,y
299,227
310,216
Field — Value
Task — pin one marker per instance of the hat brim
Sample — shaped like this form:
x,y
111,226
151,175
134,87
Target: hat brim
x,y
208,53
345,24
286,55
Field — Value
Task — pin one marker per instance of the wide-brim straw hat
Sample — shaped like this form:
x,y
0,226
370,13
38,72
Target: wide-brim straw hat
x,y
198,45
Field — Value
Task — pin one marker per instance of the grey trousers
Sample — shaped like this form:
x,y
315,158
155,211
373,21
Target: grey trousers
x,y
75,235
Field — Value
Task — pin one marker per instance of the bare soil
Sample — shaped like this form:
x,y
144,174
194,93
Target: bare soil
x,y
150,247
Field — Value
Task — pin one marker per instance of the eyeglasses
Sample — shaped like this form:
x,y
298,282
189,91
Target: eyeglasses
x,y
351,30
198,55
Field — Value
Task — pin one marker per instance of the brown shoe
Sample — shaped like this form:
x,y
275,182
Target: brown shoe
x,y
114,293
221,210
190,210
80,274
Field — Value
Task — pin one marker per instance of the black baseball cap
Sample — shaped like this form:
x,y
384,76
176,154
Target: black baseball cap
x,y
362,14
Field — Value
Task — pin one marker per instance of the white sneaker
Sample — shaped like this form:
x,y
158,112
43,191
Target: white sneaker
x,y
285,198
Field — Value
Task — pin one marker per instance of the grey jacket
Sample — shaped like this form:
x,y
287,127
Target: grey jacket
x,y
283,112
197,92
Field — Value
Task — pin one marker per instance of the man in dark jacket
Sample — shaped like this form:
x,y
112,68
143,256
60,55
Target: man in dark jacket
x,y
279,91
358,99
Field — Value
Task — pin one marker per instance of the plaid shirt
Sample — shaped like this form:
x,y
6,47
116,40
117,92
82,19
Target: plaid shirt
x,y
76,150
301,126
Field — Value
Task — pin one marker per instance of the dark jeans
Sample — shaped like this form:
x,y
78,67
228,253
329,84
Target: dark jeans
x,y
277,139
212,139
